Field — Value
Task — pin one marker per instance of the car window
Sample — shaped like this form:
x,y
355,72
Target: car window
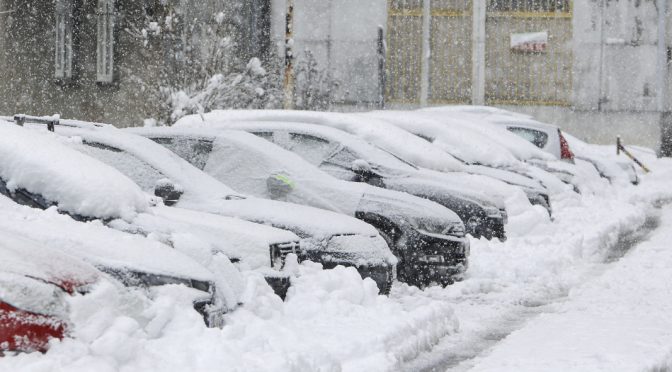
x,y
313,149
537,137
268,136
140,172
24,197
194,150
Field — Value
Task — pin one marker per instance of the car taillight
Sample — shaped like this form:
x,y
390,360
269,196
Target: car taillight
x,y
565,152
25,331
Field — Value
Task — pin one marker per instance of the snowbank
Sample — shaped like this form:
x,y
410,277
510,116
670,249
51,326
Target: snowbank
x,y
617,322
332,321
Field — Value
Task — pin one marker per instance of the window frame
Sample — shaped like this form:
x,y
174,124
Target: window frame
x,y
105,41
64,40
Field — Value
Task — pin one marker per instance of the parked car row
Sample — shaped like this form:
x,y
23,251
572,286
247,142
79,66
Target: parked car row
x,y
395,194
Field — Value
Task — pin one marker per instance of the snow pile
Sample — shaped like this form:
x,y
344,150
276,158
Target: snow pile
x,y
617,322
34,161
332,321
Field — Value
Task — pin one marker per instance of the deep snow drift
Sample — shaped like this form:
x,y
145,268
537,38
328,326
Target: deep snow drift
x,y
333,320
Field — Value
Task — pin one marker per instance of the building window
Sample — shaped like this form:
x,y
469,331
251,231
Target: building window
x,y
529,6
105,53
64,40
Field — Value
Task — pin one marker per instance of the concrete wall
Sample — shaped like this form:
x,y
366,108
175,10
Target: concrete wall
x,y
615,50
342,35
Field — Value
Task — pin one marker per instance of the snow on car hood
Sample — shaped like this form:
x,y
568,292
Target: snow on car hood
x,y
37,162
97,244
202,235
508,177
403,206
26,257
402,143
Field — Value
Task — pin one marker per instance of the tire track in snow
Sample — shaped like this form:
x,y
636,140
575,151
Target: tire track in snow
x,y
460,349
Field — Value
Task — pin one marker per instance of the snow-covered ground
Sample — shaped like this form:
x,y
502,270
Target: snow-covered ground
x,y
555,296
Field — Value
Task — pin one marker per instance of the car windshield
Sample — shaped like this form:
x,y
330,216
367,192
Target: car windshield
x,y
139,171
381,162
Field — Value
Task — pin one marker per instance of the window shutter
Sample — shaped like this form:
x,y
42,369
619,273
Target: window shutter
x,y
64,50
105,54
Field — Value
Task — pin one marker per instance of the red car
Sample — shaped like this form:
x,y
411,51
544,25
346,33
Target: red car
x,y
34,282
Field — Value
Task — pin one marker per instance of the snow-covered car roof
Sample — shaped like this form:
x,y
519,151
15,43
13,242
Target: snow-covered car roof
x,y
519,147
259,157
97,244
414,149
482,111
465,143
37,162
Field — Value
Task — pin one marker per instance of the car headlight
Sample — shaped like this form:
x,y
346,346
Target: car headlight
x,y
492,212
455,229
439,227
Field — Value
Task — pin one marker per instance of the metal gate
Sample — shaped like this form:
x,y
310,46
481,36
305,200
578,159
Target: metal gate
x,y
539,74
404,44
450,64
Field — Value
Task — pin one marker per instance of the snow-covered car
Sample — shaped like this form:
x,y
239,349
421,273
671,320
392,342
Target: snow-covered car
x,y
38,170
605,160
427,238
34,282
133,260
499,166
523,157
330,238
545,136
351,158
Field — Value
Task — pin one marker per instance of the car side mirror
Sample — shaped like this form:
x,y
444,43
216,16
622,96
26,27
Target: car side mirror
x,y
279,185
362,169
361,166
168,191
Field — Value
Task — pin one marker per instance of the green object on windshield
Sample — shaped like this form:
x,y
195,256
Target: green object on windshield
x,y
284,179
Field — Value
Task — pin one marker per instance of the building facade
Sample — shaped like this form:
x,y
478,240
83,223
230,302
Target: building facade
x,y
594,66
105,60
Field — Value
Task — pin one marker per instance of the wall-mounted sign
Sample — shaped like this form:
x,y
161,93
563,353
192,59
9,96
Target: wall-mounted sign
x,y
531,42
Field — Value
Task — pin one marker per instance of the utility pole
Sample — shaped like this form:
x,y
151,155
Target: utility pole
x,y
381,67
289,56
661,82
426,51
478,53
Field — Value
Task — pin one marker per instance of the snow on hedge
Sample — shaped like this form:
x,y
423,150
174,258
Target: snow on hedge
x,y
37,162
